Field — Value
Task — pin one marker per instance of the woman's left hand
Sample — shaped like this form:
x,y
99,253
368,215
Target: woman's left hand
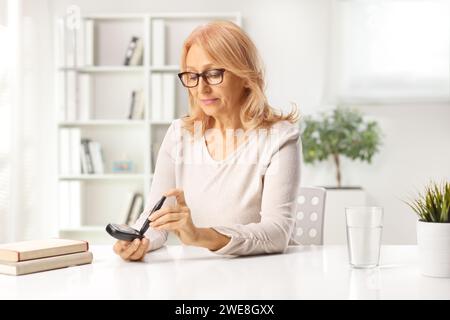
x,y
177,219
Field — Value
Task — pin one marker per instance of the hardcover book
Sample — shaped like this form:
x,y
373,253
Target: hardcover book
x,y
35,249
43,264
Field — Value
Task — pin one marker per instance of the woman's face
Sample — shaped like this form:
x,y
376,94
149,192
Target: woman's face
x,y
219,100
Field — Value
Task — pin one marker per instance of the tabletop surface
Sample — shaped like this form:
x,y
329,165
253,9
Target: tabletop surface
x,y
180,272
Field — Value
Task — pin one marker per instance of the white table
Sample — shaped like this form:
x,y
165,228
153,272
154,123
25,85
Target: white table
x,y
177,272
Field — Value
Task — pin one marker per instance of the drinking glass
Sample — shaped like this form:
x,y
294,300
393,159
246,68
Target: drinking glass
x,y
364,228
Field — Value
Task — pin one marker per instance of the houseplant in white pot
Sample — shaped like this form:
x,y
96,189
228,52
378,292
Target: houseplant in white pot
x,y
433,229
330,136
340,132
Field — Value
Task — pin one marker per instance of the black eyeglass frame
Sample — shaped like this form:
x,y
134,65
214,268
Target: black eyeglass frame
x,y
203,75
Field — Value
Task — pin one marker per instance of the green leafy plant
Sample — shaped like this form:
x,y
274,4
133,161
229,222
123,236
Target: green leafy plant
x,y
341,132
434,204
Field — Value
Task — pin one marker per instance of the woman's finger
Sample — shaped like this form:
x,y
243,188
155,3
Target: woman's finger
x,y
169,217
141,251
170,226
161,212
130,250
120,246
179,195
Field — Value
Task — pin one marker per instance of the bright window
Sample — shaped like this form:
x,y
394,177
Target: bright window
x,y
391,50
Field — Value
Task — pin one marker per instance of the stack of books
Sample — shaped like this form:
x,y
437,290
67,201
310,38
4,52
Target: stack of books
x,y
91,157
40,255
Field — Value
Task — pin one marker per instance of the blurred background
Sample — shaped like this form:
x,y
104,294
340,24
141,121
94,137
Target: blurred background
x,y
88,77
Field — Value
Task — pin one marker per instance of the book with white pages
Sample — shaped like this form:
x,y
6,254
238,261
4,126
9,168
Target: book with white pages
x,y
158,42
40,248
64,151
138,105
96,155
64,205
75,146
157,97
72,96
136,57
75,204
88,42
168,105
85,91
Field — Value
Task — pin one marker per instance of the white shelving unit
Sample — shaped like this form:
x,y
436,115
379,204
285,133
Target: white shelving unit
x,y
93,47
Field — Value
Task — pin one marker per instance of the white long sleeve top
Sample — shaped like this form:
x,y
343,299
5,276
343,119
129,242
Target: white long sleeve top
x,y
250,196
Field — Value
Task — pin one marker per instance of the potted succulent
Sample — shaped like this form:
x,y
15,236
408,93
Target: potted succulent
x,y
433,229
341,132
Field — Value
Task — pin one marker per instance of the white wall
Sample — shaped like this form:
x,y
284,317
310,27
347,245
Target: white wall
x,y
3,12
415,150
293,39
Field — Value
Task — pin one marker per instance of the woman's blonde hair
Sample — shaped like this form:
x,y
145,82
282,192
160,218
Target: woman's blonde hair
x,y
231,48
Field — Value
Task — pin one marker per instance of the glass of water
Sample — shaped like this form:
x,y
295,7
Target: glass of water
x,y
364,227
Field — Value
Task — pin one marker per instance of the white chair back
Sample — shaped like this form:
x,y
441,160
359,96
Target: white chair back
x,y
310,216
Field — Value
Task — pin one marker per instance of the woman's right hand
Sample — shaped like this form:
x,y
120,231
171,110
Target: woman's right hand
x,y
132,250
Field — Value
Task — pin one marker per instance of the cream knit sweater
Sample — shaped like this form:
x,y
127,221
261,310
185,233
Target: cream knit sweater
x,y
250,196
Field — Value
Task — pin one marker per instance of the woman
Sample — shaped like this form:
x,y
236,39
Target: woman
x,y
232,165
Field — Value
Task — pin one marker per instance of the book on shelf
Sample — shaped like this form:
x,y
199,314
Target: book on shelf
x,y
85,43
74,42
153,157
95,150
75,48
86,157
69,192
158,42
163,96
91,157
88,41
71,105
156,96
134,52
44,264
132,104
137,106
69,151
70,198
154,150
35,249
168,104
85,97
77,104
135,208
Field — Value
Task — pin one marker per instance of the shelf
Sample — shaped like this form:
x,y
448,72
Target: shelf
x,y
115,16
92,233
163,123
111,176
104,69
162,15
123,69
84,229
167,68
101,123
196,15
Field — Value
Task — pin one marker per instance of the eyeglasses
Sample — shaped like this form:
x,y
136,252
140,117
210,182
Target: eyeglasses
x,y
211,77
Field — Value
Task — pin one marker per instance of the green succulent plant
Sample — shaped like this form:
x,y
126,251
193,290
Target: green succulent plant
x,y
341,132
434,204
